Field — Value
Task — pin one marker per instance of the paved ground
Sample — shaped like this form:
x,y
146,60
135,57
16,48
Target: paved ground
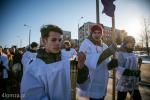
x,y
144,85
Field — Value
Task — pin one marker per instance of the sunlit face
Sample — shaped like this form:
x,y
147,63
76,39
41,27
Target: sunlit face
x,y
1,50
13,50
8,52
67,45
35,48
52,42
96,35
131,44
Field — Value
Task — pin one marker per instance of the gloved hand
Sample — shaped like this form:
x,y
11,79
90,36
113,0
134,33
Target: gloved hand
x,y
82,75
127,72
81,60
112,64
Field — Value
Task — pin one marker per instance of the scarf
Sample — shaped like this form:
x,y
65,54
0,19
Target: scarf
x,y
48,57
32,51
98,43
67,49
125,49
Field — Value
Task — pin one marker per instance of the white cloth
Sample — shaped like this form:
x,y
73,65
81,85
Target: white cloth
x,y
96,85
126,61
46,81
71,54
26,58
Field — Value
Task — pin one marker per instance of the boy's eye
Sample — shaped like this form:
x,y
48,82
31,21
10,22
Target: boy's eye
x,y
60,40
97,32
54,39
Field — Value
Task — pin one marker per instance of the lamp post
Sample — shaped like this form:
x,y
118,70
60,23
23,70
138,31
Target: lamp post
x,y
19,39
29,32
78,30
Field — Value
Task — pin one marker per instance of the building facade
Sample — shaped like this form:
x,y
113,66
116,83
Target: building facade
x,y
66,35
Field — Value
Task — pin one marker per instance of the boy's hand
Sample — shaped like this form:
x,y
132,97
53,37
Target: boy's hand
x,y
81,60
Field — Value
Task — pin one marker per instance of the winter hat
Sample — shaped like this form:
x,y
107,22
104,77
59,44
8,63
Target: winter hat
x,y
97,27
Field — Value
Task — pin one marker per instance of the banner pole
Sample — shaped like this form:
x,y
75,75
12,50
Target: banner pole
x,y
114,71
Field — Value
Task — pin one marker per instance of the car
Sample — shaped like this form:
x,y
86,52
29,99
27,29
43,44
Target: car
x,y
145,58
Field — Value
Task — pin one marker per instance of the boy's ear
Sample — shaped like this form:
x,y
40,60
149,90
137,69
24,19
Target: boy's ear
x,y
44,40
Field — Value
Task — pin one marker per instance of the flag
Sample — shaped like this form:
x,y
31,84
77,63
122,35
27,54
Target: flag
x,y
107,53
109,7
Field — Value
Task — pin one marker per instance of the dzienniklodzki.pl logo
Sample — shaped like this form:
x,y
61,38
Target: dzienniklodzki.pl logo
x,y
8,95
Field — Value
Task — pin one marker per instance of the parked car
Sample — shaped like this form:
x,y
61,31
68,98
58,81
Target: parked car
x,y
145,58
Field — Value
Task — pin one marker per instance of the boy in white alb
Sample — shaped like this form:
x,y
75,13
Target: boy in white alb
x,y
48,76
68,52
128,72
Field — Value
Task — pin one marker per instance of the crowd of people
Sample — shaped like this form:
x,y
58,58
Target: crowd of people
x,y
43,73
10,70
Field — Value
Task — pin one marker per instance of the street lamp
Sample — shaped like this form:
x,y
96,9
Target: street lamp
x,y
78,29
29,32
18,40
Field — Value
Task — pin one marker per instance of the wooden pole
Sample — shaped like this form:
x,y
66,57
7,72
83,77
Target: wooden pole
x,y
97,11
73,78
114,71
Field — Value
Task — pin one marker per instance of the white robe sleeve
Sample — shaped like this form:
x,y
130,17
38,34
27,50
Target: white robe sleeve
x,y
32,90
25,59
84,47
91,60
75,53
121,62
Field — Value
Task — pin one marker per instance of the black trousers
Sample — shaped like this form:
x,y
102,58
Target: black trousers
x,y
3,86
97,99
135,96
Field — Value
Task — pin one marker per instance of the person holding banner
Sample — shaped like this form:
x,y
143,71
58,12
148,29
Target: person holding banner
x,y
128,71
95,87
48,77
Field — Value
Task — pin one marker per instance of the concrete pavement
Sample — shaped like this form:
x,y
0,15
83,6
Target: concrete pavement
x,y
144,85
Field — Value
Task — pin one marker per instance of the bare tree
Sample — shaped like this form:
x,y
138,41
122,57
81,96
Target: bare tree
x,y
145,36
